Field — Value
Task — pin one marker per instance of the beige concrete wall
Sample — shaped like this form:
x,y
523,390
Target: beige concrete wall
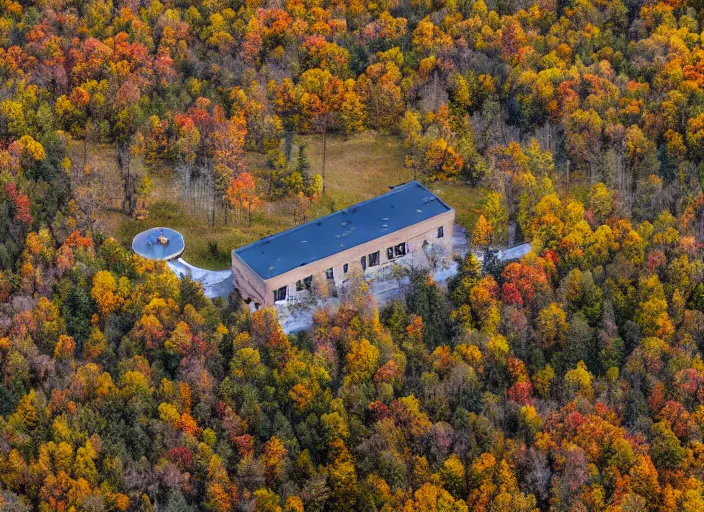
x,y
251,286
247,281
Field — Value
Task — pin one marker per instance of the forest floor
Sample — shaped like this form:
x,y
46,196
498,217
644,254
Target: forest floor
x,y
357,168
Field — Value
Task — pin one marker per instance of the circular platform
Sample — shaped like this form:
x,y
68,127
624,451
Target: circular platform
x,y
162,244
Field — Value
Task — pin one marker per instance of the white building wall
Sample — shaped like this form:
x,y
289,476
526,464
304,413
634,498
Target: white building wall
x,y
437,252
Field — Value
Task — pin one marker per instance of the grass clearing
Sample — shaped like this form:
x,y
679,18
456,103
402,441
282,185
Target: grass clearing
x,y
357,168
464,199
360,167
206,247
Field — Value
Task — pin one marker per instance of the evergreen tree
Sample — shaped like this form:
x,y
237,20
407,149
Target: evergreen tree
x,y
425,299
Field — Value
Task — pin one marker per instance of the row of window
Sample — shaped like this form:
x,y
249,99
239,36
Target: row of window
x,y
371,260
374,259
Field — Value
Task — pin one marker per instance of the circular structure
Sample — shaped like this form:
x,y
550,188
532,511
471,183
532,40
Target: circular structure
x,y
161,244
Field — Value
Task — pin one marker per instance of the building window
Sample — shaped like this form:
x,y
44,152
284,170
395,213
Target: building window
x,y
374,259
280,294
400,249
389,253
441,231
328,273
363,261
304,284
345,267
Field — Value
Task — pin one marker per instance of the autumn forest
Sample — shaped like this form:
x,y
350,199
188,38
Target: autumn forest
x,y
571,380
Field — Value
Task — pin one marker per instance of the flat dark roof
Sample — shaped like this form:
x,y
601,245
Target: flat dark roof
x,y
399,208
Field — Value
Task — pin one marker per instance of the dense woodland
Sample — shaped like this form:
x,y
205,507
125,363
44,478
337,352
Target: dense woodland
x,y
571,380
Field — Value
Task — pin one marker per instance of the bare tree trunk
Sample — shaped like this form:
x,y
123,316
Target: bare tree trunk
x,y
204,199
199,198
288,144
89,211
435,89
377,108
212,208
325,147
123,159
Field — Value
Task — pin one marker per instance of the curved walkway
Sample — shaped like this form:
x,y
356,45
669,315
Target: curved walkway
x,y
216,283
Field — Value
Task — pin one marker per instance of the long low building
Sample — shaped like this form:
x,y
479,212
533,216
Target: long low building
x,y
408,225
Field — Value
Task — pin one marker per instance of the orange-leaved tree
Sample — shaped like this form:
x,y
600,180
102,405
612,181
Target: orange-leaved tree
x,y
242,194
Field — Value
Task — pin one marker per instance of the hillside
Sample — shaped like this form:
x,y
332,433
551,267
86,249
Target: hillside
x,y
359,167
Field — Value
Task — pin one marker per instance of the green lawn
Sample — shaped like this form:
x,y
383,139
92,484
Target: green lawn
x,y
358,168
365,166
207,247
464,199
